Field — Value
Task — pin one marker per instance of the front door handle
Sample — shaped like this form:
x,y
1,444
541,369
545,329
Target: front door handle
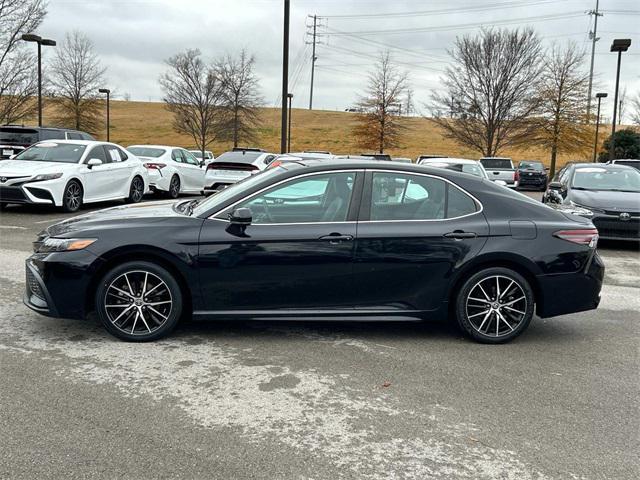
x,y
336,238
460,235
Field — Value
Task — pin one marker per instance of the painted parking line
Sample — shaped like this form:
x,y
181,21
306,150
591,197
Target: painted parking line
x,y
12,227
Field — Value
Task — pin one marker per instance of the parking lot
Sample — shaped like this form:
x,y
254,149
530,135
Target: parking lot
x,y
318,400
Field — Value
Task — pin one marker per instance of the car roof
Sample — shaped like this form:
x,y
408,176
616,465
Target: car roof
x,y
154,146
79,142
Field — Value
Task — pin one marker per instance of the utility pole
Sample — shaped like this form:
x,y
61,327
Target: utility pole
x,y
285,78
594,38
313,61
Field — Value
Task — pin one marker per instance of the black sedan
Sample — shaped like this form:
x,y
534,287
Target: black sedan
x,y
608,194
326,240
532,174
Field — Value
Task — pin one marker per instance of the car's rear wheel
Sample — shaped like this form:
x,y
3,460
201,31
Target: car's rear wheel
x,y
174,187
495,305
136,190
139,301
72,197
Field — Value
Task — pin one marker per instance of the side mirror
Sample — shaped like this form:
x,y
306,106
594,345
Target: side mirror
x,y
547,169
11,157
500,182
556,186
241,216
94,162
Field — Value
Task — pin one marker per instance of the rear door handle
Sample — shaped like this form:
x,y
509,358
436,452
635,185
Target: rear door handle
x,y
458,235
336,238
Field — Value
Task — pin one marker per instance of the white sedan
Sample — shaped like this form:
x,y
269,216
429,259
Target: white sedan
x,y
69,173
465,165
172,170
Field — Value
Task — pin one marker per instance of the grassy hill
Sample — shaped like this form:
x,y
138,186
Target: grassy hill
x,y
149,122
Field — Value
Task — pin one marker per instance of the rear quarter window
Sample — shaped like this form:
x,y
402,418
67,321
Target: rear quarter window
x,y
459,203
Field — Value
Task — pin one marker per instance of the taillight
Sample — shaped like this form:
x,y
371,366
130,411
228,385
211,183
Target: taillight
x,y
154,166
582,237
516,175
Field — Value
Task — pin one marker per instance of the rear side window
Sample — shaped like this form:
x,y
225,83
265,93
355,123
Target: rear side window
x,y
176,155
115,154
397,196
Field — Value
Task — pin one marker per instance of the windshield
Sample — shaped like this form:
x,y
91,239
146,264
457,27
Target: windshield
x,y
53,152
222,196
238,157
147,151
626,179
496,163
531,166
18,135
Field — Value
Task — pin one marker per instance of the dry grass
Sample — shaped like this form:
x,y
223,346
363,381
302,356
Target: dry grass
x,y
150,123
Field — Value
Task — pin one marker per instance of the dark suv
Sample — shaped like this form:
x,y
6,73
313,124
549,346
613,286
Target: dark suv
x,y
15,138
532,174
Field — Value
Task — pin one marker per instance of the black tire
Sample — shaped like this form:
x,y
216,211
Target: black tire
x,y
127,313
136,190
3,206
489,318
174,187
72,197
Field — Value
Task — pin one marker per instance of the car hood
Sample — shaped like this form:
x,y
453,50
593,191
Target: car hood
x,y
607,200
125,216
10,168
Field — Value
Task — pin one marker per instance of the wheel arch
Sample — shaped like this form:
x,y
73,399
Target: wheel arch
x,y
517,263
140,253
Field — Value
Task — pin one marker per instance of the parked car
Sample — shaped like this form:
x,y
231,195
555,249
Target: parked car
x,y
629,162
402,159
610,194
501,168
70,173
172,170
464,165
532,174
298,157
231,167
15,138
208,156
320,239
377,156
423,157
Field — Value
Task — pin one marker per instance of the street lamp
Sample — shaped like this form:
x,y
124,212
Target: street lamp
x,y
290,97
619,45
107,91
30,37
599,96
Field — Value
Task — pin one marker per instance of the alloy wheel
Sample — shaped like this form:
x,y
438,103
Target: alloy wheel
x,y
137,190
496,305
138,302
73,195
174,187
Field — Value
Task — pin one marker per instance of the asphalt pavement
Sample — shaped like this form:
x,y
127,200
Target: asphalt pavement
x,y
314,400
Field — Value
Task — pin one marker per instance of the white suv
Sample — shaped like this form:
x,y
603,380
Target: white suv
x,y
68,173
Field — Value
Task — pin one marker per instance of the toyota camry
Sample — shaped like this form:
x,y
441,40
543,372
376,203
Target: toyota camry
x,y
323,240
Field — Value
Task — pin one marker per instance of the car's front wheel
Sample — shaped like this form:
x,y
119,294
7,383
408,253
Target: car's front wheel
x,y
72,197
139,301
495,305
136,190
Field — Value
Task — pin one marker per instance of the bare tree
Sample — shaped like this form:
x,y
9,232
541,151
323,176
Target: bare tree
x,y
563,94
18,78
76,76
241,97
379,126
193,93
635,116
490,90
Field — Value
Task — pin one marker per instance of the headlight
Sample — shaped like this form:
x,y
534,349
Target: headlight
x,y
46,176
52,244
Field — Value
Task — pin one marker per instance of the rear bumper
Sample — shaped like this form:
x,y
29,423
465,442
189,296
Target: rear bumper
x,y
571,292
526,181
214,182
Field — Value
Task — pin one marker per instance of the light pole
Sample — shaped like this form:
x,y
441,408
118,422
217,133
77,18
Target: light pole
x,y
30,37
619,45
599,96
285,77
107,91
290,97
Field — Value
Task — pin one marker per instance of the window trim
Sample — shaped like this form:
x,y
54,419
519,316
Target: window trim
x,y
354,193
364,196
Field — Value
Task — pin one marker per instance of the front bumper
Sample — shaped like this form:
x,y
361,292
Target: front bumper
x,y
26,194
58,284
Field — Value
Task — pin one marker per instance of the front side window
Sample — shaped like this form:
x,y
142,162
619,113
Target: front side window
x,y
311,199
189,158
98,152
397,196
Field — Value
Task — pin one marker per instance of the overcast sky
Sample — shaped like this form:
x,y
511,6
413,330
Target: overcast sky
x,y
133,38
